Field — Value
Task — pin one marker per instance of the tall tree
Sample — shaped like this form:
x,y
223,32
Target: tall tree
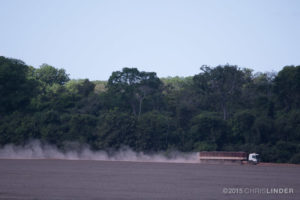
x,y
132,87
222,85
51,75
287,87
16,89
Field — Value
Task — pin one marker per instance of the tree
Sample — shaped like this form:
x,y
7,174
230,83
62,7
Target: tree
x,y
242,125
51,75
154,132
221,85
131,88
115,129
16,89
287,87
82,87
220,109
209,128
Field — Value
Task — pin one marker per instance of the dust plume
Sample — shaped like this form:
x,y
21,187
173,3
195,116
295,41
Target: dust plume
x,y
37,150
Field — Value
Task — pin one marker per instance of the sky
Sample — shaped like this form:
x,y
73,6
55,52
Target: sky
x,y
92,38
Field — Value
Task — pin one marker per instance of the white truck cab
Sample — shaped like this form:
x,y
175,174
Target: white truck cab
x,y
253,158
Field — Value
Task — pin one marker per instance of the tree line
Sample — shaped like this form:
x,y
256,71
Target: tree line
x,y
222,108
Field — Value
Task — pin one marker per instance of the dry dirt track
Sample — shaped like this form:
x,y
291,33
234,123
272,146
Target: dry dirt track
x,y
63,179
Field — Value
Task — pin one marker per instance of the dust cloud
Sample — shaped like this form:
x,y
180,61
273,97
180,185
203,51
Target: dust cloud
x,y
73,151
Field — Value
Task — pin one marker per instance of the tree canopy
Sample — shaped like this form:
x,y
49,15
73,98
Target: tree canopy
x,y
222,108
51,75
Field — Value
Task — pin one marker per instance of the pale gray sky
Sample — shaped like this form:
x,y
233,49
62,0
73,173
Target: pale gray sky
x,y
91,39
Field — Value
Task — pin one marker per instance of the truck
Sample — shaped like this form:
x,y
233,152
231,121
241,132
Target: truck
x,y
228,157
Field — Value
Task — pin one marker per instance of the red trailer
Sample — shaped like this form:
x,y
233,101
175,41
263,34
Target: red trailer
x,y
222,157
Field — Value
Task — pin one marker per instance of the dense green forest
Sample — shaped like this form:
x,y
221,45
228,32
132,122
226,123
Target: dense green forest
x,y
220,108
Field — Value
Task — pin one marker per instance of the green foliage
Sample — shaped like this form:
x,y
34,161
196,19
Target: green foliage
x,y
154,132
205,146
115,130
287,87
210,128
221,86
288,126
51,75
177,83
295,159
287,150
17,128
223,108
16,89
132,89
242,127
100,86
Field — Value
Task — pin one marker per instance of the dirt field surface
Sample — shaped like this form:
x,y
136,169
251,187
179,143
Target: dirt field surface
x,y
66,179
